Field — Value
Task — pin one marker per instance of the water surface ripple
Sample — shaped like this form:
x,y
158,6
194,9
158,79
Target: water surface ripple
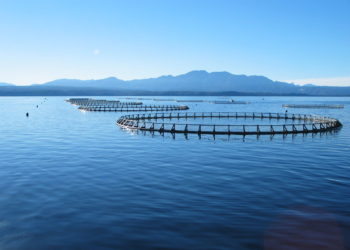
x,y
75,180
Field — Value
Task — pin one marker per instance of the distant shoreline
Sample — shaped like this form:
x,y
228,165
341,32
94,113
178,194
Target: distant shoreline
x,y
87,91
157,94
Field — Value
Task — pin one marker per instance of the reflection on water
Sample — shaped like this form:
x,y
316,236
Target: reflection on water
x,y
228,137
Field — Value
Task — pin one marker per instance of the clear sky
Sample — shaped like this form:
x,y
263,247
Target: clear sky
x,y
294,40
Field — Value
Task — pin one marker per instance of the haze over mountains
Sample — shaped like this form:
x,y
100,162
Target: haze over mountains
x,y
192,83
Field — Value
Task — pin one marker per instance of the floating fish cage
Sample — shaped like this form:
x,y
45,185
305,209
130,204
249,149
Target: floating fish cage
x,y
87,104
77,99
313,106
134,108
162,123
111,104
95,102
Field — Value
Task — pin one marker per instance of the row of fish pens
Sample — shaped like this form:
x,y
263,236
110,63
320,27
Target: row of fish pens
x,y
87,104
131,108
99,102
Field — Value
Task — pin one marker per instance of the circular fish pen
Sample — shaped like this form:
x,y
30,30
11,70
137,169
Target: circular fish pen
x,y
293,123
98,102
108,104
111,105
133,108
98,105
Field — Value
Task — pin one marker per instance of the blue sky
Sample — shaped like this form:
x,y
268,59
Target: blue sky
x,y
299,40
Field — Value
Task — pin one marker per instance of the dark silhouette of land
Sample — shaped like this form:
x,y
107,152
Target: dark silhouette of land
x,y
192,83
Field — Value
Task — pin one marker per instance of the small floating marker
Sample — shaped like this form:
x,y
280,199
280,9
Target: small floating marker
x,y
27,114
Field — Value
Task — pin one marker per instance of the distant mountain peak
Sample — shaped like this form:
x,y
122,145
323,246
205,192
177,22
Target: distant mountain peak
x,y
111,78
197,72
196,81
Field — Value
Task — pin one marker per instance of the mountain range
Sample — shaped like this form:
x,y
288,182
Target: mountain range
x,y
198,82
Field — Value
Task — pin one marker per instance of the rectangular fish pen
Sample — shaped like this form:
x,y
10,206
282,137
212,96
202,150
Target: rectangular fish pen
x,y
313,106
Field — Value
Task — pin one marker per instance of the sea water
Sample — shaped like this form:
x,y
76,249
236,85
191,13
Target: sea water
x,y
75,180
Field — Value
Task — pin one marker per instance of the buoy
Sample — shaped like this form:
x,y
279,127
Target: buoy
x,y
27,114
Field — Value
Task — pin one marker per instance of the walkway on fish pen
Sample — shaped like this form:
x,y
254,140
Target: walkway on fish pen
x,y
133,108
111,105
97,102
123,105
310,124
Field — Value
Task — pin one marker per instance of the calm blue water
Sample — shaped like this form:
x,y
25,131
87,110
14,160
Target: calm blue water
x,y
75,180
